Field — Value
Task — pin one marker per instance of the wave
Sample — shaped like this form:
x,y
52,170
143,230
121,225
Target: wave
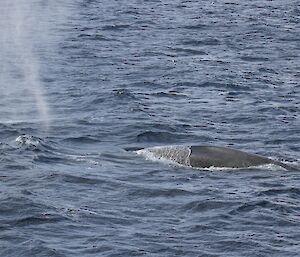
x,y
47,151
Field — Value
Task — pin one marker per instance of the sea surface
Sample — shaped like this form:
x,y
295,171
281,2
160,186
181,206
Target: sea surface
x,y
81,81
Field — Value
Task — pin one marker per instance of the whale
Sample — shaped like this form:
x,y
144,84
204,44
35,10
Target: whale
x,y
206,156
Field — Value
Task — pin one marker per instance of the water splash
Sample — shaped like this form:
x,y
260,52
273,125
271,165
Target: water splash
x,y
173,153
22,96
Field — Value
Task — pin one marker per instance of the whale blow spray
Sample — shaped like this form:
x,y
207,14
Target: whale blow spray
x,y
22,97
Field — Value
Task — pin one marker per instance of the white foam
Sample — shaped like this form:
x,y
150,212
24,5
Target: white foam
x,y
27,140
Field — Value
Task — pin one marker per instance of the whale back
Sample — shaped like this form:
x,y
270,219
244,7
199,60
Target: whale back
x,y
208,156
176,153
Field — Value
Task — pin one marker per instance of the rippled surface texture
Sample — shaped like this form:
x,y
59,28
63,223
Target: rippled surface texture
x,y
82,80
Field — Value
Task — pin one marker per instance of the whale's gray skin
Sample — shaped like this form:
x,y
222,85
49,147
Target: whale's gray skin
x,y
210,156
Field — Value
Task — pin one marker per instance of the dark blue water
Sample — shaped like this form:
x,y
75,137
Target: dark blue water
x,y
82,80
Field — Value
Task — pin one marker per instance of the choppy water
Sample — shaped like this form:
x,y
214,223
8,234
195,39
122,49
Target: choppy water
x,y
118,74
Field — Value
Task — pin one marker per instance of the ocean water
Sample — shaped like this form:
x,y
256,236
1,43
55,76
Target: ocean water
x,y
82,80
